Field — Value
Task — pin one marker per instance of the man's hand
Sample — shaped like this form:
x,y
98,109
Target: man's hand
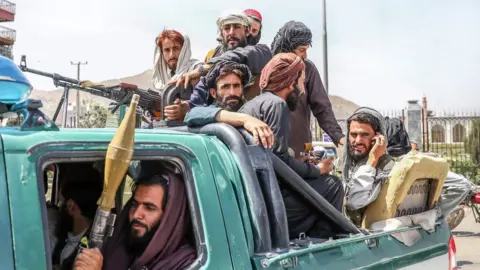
x,y
193,75
259,130
89,259
307,158
326,165
379,149
341,142
176,111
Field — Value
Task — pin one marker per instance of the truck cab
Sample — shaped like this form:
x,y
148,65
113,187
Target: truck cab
x,y
238,216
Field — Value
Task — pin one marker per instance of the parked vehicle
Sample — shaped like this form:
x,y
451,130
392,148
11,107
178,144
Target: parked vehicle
x,y
472,201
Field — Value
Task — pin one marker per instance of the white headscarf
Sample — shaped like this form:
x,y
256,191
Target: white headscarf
x,y
232,16
161,72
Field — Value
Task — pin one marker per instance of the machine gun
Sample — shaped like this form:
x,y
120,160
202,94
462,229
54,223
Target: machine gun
x,y
122,93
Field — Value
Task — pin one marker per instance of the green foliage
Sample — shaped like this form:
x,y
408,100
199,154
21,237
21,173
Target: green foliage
x,y
96,117
14,121
472,142
466,168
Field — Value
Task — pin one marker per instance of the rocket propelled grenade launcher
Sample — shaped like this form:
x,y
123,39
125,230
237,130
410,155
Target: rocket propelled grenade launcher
x,y
117,161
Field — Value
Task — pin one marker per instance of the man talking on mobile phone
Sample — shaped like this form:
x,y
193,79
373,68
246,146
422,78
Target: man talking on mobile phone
x,y
366,163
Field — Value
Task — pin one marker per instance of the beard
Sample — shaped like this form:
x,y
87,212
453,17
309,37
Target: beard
x,y
64,223
240,43
292,99
137,244
230,103
254,40
172,65
356,156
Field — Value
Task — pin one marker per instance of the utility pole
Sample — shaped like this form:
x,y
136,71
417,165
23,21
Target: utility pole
x,y
325,51
78,64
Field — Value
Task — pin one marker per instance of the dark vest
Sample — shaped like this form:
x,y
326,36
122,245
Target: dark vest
x,y
70,260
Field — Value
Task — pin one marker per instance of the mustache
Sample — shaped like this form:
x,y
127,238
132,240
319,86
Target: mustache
x,y
359,144
233,39
229,98
136,222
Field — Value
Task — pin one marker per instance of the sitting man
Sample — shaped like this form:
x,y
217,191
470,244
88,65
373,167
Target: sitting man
x,y
455,188
225,83
282,83
255,26
173,57
151,231
234,30
81,188
366,163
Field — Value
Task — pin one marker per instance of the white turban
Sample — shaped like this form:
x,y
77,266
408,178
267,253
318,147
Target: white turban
x,y
233,17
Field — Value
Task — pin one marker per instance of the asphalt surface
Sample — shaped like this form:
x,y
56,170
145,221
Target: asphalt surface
x,y
467,240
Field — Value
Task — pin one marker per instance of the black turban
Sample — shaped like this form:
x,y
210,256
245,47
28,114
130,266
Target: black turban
x,y
222,66
290,36
398,140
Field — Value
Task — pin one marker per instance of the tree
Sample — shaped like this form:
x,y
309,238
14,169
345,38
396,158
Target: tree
x,y
96,117
471,168
472,143
14,121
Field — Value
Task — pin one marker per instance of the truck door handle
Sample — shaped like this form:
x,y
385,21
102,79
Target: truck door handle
x,y
372,242
289,262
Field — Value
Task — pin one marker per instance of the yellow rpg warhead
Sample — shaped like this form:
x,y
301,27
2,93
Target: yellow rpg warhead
x,y
119,155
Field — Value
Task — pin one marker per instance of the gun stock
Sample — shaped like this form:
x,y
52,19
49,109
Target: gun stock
x,y
119,155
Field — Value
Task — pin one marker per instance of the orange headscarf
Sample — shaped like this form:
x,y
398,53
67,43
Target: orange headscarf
x,y
281,72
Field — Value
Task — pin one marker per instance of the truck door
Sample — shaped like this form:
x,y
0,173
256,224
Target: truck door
x,y
6,246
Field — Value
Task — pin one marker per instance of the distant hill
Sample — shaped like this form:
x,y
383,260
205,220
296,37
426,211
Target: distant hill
x,y
341,107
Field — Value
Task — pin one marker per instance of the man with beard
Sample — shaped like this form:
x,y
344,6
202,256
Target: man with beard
x,y
282,83
82,186
255,26
151,231
295,37
173,57
366,162
225,83
234,30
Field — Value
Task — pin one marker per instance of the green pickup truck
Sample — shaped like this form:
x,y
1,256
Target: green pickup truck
x,y
238,215
233,187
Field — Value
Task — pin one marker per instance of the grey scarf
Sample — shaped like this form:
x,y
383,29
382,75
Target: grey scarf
x,y
350,166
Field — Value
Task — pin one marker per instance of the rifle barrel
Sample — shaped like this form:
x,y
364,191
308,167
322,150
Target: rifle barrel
x,y
75,83
115,93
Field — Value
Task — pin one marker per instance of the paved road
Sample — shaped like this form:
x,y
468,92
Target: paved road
x,y
467,240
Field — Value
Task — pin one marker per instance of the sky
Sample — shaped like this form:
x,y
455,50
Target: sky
x,y
381,53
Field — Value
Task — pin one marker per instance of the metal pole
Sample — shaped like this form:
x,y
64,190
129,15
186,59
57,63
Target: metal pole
x,y
65,108
325,51
78,92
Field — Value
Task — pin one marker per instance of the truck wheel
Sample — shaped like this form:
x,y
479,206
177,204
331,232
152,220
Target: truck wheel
x,y
455,218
